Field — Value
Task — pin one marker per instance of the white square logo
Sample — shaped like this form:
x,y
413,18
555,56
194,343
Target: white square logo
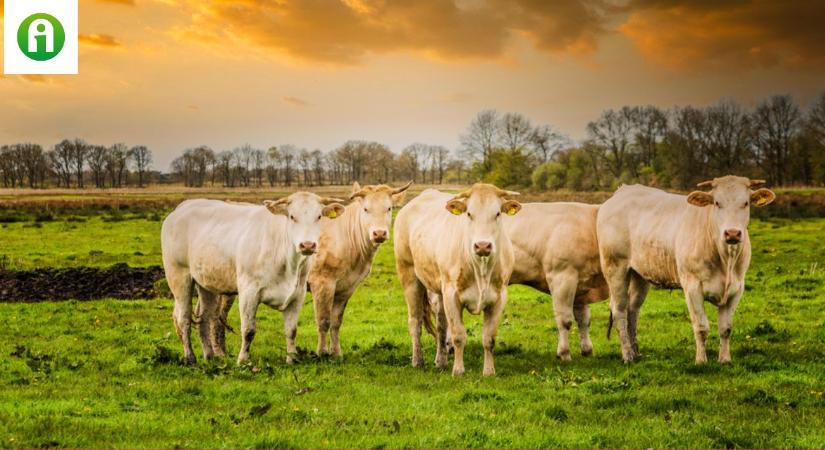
x,y
40,37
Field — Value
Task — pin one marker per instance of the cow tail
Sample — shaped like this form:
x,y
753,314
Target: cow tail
x,y
609,324
428,316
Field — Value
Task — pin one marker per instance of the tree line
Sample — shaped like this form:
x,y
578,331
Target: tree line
x,y
776,140
73,163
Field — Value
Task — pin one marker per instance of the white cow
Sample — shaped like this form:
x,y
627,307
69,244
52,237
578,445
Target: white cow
x,y
260,252
699,242
451,250
556,252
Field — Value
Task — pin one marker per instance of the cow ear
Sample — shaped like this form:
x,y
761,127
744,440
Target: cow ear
x,y
510,207
332,210
456,206
276,206
398,198
762,197
700,199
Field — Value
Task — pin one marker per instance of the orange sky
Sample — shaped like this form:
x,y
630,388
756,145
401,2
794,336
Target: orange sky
x,y
174,74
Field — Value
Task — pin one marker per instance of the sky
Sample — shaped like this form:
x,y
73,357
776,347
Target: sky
x,y
175,74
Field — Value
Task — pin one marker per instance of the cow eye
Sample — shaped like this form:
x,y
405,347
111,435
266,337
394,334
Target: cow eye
x,y
389,209
717,204
366,210
469,215
746,204
319,218
292,218
498,214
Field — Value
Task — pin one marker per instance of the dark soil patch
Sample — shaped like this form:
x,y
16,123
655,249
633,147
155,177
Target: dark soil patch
x,y
79,283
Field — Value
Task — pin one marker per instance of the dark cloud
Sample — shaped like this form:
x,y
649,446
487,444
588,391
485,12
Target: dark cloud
x,y
98,40
294,101
736,34
345,31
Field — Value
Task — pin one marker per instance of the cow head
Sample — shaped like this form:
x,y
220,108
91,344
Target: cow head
x,y
481,208
731,198
374,205
303,211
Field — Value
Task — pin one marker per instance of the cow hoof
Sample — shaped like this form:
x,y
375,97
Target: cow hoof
x,y
418,364
189,360
489,372
587,351
564,355
458,372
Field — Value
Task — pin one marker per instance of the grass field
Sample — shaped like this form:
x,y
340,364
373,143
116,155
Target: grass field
x,y
108,374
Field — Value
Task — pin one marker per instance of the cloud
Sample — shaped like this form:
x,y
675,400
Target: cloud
x,y
294,101
345,32
735,34
98,40
119,2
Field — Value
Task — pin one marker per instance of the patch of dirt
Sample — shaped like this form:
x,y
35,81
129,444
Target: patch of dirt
x,y
79,283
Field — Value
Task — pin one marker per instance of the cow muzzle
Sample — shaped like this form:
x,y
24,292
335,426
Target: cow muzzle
x,y
379,236
733,236
307,247
483,248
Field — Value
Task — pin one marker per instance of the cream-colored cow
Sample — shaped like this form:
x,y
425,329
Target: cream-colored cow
x,y
556,252
699,242
454,247
260,252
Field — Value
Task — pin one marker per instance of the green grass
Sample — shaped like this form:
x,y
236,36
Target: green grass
x,y
107,373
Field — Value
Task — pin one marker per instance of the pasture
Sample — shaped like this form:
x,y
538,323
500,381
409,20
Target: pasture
x,y
108,373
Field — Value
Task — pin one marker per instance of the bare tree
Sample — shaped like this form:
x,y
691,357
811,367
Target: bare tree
x,y
544,142
481,138
61,161
96,159
651,128
515,131
318,166
116,161
776,123
613,131
142,159
77,151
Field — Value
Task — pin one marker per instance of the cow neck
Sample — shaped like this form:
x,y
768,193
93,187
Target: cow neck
x,y
358,237
295,260
729,256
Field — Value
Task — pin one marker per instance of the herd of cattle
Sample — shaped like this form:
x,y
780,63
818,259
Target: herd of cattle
x,y
456,252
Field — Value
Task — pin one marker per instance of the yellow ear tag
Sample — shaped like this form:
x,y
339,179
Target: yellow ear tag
x,y
761,201
512,211
456,211
332,214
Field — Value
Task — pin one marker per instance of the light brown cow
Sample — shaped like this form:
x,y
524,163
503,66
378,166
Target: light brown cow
x,y
556,252
699,242
345,253
453,247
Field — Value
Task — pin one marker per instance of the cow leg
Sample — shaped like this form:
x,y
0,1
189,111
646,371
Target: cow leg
x,y
206,313
218,336
453,310
581,311
291,314
441,351
725,323
696,307
181,285
637,293
248,306
563,290
338,308
323,294
616,274
415,294
492,316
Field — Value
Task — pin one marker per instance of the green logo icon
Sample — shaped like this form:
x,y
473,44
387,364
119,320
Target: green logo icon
x,y
41,37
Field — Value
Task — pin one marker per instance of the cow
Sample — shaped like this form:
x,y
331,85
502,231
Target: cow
x,y
697,242
450,251
345,253
259,252
556,252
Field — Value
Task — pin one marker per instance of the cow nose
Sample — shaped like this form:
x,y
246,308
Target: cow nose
x,y
733,236
379,236
483,248
307,247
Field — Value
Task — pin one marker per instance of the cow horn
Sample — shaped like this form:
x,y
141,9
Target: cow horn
x,y
705,184
328,200
754,183
505,193
401,189
280,201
